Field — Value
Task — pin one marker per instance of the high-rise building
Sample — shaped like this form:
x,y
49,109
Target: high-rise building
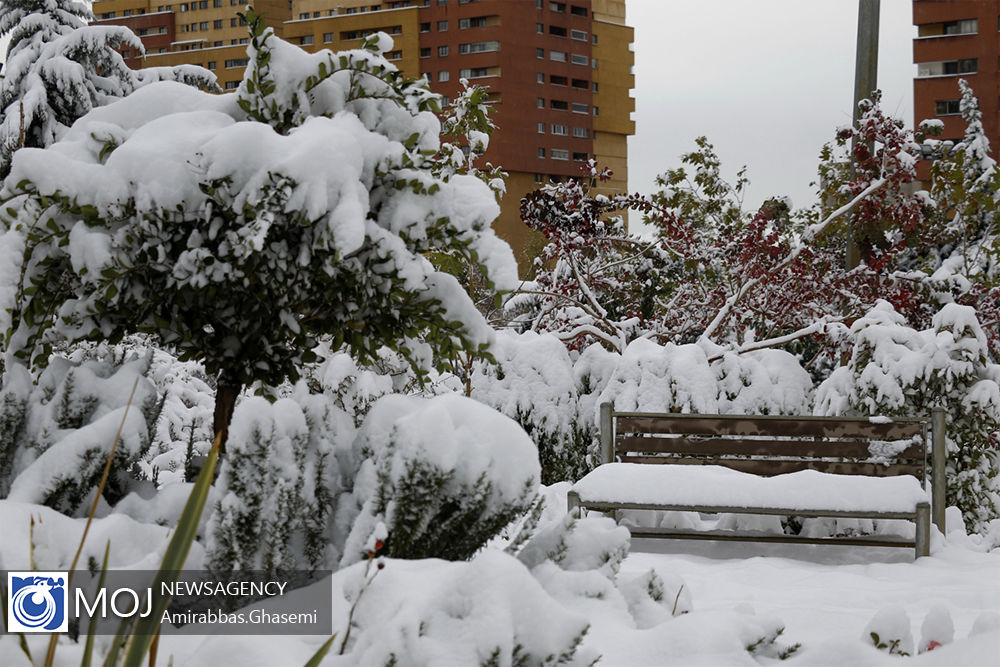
x,y
559,73
956,39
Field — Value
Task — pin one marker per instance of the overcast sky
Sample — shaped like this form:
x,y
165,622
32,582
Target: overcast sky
x,y
767,81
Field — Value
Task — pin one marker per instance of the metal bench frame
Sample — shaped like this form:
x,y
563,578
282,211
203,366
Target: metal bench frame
x,y
735,441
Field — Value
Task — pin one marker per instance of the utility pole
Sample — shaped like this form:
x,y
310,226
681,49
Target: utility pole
x,y
865,81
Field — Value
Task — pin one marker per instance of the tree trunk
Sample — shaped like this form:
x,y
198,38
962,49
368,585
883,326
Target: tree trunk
x,y
226,392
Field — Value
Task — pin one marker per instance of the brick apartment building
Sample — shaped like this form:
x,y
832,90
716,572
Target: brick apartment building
x,y
956,39
559,73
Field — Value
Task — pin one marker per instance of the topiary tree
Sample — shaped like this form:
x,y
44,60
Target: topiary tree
x,y
238,229
58,68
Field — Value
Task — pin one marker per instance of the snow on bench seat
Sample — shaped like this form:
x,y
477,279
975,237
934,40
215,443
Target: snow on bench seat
x,y
717,486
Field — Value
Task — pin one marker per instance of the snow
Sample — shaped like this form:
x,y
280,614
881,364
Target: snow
x,y
693,486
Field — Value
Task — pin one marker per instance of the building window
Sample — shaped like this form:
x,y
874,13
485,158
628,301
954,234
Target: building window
x,y
948,67
580,157
540,53
216,3
577,11
479,47
558,105
540,28
474,22
556,80
581,132
327,37
541,152
559,130
303,16
558,56
541,128
962,27
425,27
593,39
394,55
540,103
232,85
580,35
442,52
476,72
425,52
305,40
232,22
594,86
947,107
217,24
204,25
557,7
540,78
539,178
184,6
442,2
595,111
237,62
442,26
444,75
201,5
560,154
557,31
578,59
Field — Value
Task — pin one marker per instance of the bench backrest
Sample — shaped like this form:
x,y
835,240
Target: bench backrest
x,y
772,445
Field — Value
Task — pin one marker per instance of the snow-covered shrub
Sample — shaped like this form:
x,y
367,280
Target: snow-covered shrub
x,y
279,485
937,629
653,600
57,433
533,383
896,370
488,612
663,378
443,474
592,543
762,382
889,631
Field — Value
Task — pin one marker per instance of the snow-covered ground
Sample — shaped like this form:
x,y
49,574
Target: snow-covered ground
x,y
825,597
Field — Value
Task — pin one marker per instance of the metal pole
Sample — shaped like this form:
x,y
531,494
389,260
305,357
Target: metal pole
x,y
938,459
607,437
865,81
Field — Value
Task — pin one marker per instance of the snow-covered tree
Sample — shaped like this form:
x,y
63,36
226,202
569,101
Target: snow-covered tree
x,y
712,272
897,370
58,68
238,229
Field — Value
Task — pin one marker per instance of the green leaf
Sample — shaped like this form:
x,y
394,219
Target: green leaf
x,y
321,652
173,559
88,649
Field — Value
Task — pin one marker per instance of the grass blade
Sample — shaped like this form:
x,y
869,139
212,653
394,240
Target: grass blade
x,y
20,635
321,652
88,648
173,560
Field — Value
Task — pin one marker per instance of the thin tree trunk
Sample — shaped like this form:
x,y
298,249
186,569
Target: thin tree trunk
x,y
226,393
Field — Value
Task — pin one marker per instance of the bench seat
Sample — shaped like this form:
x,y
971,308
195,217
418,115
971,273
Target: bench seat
x,y
720,489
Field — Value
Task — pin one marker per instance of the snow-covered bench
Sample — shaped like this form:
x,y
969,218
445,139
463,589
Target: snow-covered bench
x,y
872,468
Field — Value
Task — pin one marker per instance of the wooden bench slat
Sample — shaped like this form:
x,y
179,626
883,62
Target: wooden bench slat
x,y
762,537
767,426
608,506
759,447
770,467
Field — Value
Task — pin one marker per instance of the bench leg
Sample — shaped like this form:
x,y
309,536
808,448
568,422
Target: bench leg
x,y
573,504
923,521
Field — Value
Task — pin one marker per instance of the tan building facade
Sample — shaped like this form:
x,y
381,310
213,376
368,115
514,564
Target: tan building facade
x,y
559,74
